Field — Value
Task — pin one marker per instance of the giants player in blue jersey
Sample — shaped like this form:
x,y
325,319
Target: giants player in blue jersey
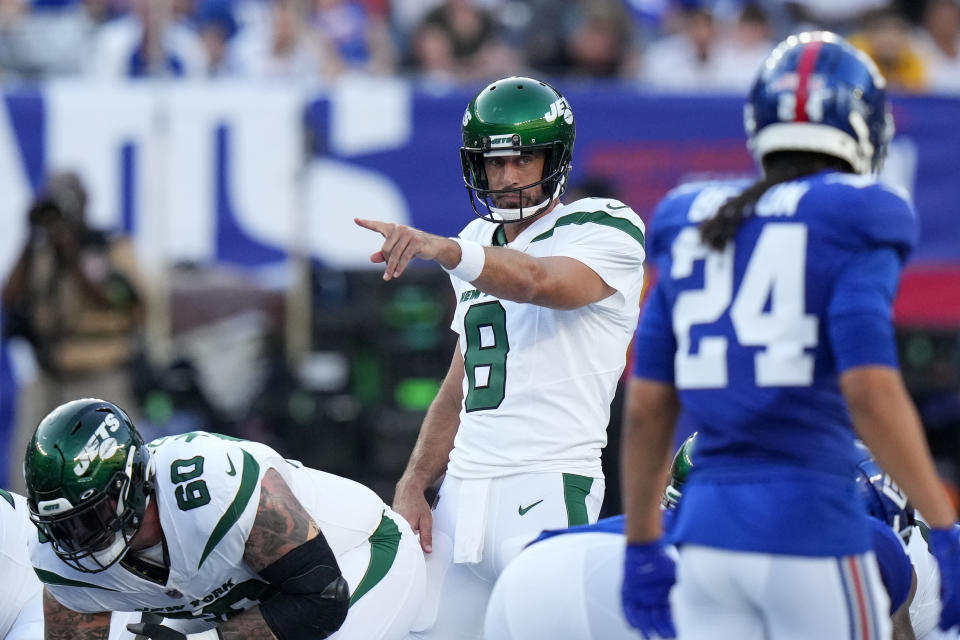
x,y
565,586
770,325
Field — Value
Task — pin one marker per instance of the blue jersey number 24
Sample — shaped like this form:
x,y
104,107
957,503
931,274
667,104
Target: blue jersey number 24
x,y
775,273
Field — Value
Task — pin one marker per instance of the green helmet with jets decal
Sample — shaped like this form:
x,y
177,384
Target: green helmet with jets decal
x,y
88,482
509,117
679,472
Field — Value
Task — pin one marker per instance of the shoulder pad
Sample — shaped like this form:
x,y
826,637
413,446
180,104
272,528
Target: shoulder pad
x,y
869,212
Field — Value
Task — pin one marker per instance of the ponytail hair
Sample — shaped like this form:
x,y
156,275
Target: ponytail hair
x,y
778,167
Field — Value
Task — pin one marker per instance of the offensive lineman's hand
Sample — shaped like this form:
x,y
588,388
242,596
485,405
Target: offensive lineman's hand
x,y
155,631
410,503
402,244
945,546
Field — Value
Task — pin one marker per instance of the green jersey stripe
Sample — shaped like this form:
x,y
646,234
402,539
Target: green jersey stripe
x,y
595,217
6,496
248,483
49,577
575,491
384,543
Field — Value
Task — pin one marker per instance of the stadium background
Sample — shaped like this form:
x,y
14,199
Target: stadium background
x,y
265,318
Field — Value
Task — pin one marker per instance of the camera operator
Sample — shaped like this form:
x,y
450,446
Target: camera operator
x,y
73,295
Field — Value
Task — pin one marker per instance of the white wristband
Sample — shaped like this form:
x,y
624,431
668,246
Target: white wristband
x,y
472,258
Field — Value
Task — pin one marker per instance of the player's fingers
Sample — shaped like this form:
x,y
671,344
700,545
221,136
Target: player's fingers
x,y
382,228
377,257
426,531
409,253
664,624
395,255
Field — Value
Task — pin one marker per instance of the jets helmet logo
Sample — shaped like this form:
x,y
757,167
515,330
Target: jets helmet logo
x,y
559,108
101,444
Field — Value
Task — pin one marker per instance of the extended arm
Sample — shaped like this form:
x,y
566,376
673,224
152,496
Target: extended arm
x,y
885,418
557,282
651,410
431,452
61,623
648,572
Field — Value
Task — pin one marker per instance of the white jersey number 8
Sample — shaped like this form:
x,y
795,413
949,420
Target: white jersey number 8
x,y
775,273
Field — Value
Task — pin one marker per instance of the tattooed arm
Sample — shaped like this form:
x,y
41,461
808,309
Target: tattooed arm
x,y
60,623
281,525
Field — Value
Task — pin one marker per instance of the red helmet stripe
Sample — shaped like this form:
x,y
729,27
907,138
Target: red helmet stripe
x,y
808,61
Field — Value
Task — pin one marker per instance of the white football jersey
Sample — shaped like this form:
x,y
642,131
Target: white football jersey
x,y
925,606
19,583
539,381
207,489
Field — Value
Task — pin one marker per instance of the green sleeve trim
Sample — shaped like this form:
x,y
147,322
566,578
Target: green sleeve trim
x,y
384,543
6,496
575,491
595,217
248,483
49,577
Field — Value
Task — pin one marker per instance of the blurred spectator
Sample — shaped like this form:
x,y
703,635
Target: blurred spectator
x,y
282,47
74,296
217,26
702,56
841,17
599,43
939,44
886,38
432,55
361,39
744,49
48,37
406,15
150,42
471,40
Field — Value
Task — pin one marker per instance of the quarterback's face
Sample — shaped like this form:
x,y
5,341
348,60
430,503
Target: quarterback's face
x,y
512,172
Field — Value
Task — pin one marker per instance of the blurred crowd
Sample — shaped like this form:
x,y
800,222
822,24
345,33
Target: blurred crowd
x,y
667,45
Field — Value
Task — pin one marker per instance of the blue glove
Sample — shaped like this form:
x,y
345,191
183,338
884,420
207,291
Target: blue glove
x,y
945,546
648,575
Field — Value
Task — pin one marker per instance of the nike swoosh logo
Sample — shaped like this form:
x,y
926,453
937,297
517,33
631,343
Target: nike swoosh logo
x,y
623,206
232,471
523,510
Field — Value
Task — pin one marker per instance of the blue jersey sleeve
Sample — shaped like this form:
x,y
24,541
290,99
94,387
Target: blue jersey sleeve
x,y
859,314
886,219
895,567
655,345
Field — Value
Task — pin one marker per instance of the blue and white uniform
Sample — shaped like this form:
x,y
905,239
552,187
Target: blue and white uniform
x,y
566,585
754,338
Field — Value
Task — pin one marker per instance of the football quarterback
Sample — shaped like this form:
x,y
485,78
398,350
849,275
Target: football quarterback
x,y
547,298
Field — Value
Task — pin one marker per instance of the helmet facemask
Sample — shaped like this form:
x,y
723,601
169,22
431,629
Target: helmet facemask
x,y
553,181
508,118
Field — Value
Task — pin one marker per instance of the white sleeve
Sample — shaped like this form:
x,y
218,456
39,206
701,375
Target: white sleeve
x,y
612,246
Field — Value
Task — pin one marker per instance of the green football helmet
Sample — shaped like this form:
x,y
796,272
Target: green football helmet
x,y
507,118
89,482
679,472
